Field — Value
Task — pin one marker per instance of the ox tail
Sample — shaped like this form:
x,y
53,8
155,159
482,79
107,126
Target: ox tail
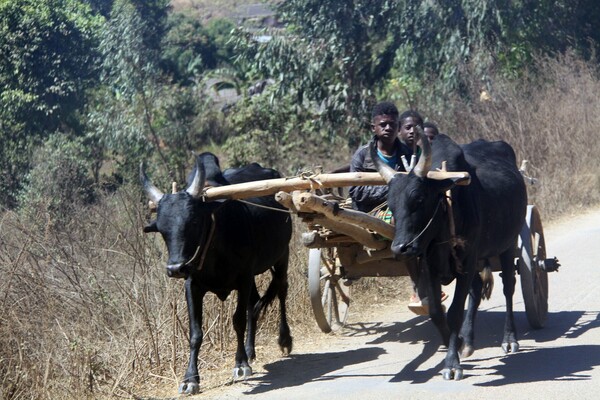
x,y
265,301
488,282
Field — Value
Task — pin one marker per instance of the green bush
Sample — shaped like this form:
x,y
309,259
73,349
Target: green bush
x,y
58,182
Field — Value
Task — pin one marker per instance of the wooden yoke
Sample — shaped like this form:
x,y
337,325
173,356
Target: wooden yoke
x,y
317,181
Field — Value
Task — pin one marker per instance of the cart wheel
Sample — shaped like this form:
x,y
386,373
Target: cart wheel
x,y
534,278
329,294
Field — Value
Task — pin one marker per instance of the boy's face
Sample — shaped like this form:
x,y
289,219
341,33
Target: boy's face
x,y
407,131
430,133
385,127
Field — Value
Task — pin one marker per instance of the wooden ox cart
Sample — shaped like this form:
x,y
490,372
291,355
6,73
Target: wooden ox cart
x,y
345,244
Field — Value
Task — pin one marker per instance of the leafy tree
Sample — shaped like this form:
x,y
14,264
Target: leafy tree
x,y
331,56
450,41
121,117
101,7
138,113
58,181
188,50
47,62
220,32
282,135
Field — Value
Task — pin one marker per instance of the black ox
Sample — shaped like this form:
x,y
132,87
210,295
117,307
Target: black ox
x,y
487,215
218,247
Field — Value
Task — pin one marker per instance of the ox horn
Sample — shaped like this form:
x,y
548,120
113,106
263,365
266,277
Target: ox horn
x,y
424,164
197,185
386,172
151,191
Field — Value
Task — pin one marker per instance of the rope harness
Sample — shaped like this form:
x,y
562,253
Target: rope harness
x,y
437,207
207,245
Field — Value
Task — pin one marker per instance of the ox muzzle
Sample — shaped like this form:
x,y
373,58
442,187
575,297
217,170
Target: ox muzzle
x,y
180,270
404,250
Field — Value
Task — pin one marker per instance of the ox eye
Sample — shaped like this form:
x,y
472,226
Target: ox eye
x,y
415,200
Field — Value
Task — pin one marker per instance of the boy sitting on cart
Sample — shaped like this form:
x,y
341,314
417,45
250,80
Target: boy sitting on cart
x,y
385,125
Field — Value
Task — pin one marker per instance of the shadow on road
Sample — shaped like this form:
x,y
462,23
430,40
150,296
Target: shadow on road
x,y
299,369
548,364
531,364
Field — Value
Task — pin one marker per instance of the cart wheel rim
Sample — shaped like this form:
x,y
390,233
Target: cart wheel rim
x,y
330,299
534,279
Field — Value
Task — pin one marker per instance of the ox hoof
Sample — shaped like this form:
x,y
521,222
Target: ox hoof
x,y
189,388
241,373
286,346
454,373
512,347
467,351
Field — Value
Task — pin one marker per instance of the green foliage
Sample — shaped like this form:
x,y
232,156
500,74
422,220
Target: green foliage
x,y
189,49
219,31
101,7
47,62
449,41
121,119
331,57
58,182
15,154
279,134
138,114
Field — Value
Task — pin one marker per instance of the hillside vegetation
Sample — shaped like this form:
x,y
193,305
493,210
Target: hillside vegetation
x,y
86,309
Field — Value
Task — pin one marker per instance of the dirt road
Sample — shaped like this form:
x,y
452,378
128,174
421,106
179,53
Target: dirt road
x,y
392,354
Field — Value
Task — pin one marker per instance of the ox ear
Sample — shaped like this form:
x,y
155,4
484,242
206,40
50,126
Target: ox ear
x,y
151,227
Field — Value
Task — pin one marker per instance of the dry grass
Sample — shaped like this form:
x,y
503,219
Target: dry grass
x,y
88,312
551,120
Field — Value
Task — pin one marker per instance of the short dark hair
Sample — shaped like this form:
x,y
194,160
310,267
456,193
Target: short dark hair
x,y
411,113
432,126
384,108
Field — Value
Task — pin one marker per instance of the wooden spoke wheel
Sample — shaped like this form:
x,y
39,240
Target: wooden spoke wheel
x,y
329,292
534,277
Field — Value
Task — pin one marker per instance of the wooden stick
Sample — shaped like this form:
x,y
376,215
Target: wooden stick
x,y
361,235
319,181
306,202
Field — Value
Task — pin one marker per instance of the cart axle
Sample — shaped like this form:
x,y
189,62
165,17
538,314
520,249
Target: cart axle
x,y
549,264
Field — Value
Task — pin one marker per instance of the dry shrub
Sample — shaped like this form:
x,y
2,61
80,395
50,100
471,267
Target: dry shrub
x,y
550,118
88,311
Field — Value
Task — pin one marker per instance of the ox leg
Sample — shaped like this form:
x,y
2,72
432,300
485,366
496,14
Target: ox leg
x,y
252,322
429,286
242,370
193,296
468,328
509,342
280,275
436,310
452,368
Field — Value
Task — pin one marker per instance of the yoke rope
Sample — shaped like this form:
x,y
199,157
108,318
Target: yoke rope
x,y
428,223
205,250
